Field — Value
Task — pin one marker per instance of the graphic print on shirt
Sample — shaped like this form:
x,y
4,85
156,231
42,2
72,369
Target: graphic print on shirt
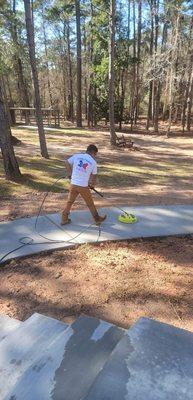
x,y
83,165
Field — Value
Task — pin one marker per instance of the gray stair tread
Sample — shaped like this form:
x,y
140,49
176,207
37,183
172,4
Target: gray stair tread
x,y
69,367
19,350
7,325
153,361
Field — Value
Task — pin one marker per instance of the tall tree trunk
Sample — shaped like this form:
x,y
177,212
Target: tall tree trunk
x,y
170,97
91,89
6,105
10,101
165,100
79,68
70,114
31,44
10,97
94,110
128,49
85,70
138,61
122,96
174,55
63,63
64,87
133,90
156,83
90,102
112,71
46,56
185,97
189,103
22,87
149,113
129,25
10,163
159,86
186,108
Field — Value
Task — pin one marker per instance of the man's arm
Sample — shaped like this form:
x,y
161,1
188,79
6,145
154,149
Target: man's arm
x,y
68,168
93,180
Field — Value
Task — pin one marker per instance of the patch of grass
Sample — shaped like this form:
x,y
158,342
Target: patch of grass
x,y
30,134
113,174
127,169
37,174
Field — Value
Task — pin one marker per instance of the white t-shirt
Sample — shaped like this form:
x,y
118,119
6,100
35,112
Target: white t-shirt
x,y
83,165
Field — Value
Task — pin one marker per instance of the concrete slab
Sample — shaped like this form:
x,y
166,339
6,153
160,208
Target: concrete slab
x,y
152,221
22,347
153,361
70,365
7,325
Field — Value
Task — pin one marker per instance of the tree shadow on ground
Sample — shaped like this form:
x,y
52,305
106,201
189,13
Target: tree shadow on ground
x,y
150,176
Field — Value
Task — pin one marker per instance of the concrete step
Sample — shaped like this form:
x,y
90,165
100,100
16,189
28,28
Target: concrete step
x,y
7,325
153,361
69,366
22,347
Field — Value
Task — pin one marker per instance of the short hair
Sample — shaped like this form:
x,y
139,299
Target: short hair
x,y
92,148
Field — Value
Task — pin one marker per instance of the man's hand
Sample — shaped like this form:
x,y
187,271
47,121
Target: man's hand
x,y
92,181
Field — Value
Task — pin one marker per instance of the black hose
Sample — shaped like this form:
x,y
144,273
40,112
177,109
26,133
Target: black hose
x,y
104,197
31,241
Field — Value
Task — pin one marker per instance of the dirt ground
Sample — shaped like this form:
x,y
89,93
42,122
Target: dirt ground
x,y
159,172
118,282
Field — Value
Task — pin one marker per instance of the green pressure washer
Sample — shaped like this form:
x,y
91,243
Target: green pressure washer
x,y
125,217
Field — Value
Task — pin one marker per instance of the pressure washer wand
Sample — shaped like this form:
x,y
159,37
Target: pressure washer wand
x,y
102,195
96,191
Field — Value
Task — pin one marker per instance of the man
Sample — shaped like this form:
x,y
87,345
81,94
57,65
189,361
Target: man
x,y
82,170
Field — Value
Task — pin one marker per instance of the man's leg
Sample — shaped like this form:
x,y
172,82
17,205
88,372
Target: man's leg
x,y
73,193
86,195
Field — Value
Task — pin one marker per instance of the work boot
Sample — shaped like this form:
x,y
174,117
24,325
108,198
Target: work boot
x,y
99,219
65,219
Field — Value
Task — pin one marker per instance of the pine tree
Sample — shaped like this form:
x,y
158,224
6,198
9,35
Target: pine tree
x,y
31,43
10,163
112,71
